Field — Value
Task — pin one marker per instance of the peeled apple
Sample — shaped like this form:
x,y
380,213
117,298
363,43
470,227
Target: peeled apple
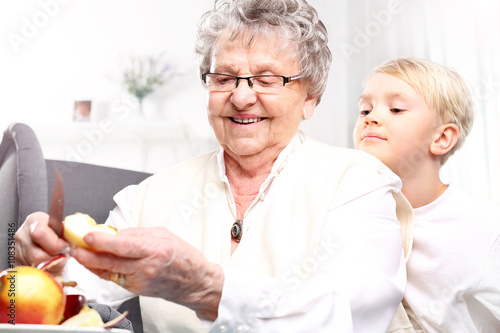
x,y
78,225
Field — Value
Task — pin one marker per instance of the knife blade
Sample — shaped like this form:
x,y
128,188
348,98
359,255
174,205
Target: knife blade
x,y
56,211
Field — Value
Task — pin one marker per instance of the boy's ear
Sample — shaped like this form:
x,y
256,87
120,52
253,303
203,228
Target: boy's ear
x,y
445,140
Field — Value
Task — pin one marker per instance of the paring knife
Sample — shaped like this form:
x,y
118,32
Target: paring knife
x,y
56,212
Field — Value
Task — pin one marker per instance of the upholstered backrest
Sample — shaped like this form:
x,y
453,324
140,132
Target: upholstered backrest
x,y
90,188
23,181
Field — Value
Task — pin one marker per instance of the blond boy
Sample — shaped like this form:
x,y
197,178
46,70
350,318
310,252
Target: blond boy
x,y
413,115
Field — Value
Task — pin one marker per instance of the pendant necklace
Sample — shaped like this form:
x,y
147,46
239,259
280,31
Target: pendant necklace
x,y
237,230
237,227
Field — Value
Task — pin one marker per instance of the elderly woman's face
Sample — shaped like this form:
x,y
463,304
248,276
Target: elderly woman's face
x,y
248,123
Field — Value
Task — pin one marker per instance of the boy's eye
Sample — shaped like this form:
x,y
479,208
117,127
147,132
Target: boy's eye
x,y
364,112
395,110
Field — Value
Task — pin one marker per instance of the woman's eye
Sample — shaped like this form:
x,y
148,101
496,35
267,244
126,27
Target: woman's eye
x,y
225,80
268,81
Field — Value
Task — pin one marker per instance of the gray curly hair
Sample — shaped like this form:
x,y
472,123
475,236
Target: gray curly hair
x,y
293,21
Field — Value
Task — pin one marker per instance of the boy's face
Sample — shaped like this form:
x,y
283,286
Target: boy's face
x,y
395,124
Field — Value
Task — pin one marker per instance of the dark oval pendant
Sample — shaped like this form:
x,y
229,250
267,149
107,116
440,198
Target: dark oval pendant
x,y
237,230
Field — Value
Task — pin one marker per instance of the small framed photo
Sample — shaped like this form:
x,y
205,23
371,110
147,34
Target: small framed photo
x,y
82,111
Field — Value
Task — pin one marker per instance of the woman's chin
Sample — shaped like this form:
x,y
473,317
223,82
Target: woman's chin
x,y
245,147
241,151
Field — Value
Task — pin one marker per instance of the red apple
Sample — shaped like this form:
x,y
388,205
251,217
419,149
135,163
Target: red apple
x,y
78,225
29,295
74,304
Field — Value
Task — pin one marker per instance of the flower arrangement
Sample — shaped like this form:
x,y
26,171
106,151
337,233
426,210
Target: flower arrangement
x,y
143,75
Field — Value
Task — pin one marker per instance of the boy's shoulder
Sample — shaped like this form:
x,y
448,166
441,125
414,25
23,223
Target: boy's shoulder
x,y
470,201
455,201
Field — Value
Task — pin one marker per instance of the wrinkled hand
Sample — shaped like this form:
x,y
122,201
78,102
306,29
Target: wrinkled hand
x,y
156,263
36,242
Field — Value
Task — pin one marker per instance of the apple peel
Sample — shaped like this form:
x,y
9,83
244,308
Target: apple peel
x,y
48,264
113,322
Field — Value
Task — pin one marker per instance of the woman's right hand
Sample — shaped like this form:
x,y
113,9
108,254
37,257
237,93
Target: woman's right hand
x,y
36,242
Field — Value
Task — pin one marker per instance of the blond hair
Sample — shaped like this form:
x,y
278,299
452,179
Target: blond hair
x,y
444,90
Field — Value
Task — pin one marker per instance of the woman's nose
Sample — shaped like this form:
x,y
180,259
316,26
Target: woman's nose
x,y
243,95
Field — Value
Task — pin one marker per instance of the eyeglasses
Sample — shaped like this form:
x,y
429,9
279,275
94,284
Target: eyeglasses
x,y
259,83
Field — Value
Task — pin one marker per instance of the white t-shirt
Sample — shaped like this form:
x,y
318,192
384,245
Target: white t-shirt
x,y
454,266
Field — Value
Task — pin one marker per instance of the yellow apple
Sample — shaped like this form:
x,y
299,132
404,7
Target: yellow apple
x,y
85,317
78,225
29,295
91,318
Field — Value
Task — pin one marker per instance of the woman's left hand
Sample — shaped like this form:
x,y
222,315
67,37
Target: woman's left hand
x,y
155,262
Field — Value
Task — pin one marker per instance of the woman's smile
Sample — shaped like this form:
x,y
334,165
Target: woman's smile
x,y
246,120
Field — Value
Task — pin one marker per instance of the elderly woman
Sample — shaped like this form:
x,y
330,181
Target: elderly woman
x,y
274,232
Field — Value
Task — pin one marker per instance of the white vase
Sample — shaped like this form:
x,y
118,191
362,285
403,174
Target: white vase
x,y
152,107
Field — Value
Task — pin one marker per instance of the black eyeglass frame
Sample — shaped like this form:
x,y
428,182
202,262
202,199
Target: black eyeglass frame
x,y
286,79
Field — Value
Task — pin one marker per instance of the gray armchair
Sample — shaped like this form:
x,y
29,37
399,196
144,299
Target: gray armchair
x,y
26,180
23,181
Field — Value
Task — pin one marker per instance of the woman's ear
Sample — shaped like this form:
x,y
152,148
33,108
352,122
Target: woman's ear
x,y
445,140
309,106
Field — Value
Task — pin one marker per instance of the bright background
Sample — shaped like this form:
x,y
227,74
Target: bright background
x,y
54,53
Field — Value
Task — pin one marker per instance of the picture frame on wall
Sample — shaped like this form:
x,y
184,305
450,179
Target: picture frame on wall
x,y
82,110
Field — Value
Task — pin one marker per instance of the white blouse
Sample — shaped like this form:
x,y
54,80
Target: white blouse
x,y
355,285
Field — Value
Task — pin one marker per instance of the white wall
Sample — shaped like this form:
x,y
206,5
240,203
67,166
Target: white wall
x,y
53,52
72,54
76,45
